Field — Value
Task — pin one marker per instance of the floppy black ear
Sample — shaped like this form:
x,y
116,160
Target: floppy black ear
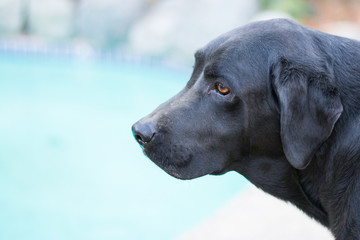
x,y
309,107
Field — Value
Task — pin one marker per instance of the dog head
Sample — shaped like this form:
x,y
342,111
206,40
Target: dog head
x,y
261,90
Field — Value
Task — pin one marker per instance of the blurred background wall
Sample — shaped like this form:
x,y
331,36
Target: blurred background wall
x,y
159,28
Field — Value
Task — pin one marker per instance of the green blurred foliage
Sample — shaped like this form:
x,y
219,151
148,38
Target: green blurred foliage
x,y
298,9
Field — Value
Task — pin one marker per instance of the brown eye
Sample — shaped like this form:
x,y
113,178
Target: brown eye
x,y
221,89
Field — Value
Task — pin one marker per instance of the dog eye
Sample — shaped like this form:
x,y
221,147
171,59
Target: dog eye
x,y
222,89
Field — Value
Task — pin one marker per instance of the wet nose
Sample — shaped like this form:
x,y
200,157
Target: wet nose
x,y
143,132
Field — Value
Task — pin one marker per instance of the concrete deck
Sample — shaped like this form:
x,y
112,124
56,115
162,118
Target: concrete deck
x,y
255,215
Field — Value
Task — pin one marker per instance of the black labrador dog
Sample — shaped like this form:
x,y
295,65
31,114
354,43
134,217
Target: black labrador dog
x,y
280,104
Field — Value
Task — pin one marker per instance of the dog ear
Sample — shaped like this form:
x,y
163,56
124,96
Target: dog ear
x,y
309,105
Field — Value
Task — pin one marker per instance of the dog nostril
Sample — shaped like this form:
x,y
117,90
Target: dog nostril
x,y
140,139
143,132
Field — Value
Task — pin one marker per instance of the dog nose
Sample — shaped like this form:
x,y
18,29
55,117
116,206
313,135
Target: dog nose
x,y
143,132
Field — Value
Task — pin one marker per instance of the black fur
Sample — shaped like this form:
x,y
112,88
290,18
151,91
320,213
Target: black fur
x,y
290,124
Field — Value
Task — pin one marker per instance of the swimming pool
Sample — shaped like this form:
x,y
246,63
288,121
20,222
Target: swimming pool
x,y
69,167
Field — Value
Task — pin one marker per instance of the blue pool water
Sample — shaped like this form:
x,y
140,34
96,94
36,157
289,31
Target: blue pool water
x,y
69,167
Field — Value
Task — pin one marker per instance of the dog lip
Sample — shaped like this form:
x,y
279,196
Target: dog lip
x,y
219,172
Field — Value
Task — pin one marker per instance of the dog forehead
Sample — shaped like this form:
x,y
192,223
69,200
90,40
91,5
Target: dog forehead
x,y
235,61
244,55
271,33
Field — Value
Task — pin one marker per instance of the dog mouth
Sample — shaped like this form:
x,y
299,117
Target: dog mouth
x,y
168,160
179,160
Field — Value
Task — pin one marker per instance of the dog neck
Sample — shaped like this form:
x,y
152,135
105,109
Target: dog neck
x,y
278,178
309,188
